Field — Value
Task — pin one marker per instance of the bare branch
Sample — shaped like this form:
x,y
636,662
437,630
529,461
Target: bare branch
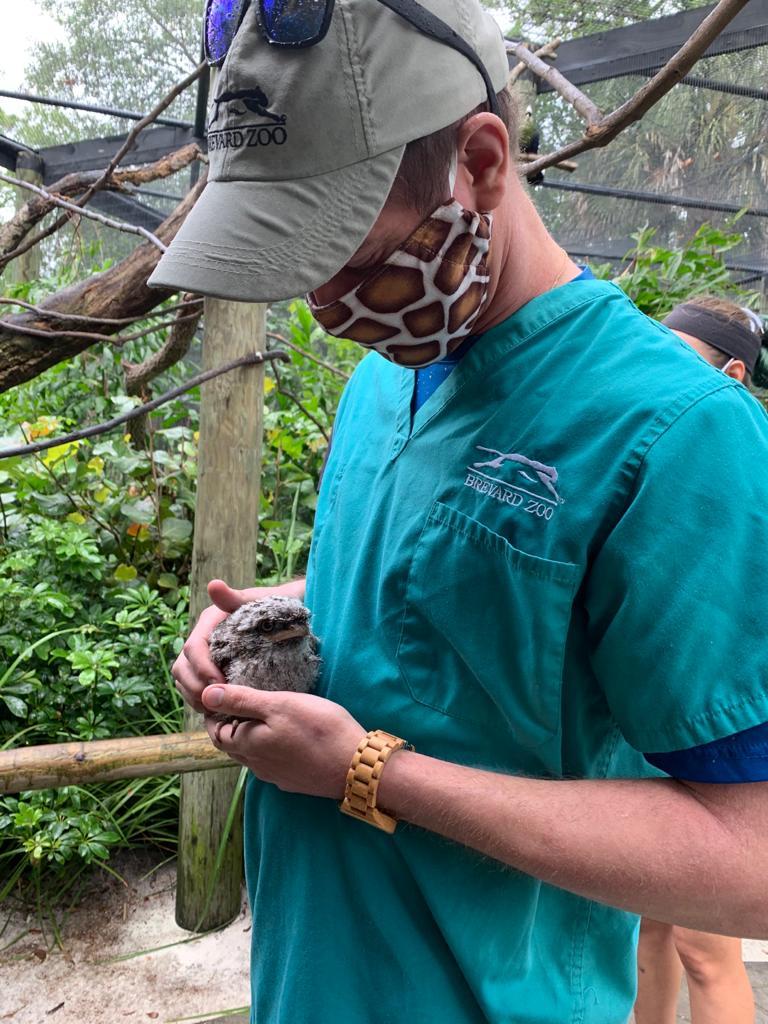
x,y
138,375
106,175
289,394
601,132
548,50
583,104
33,211
118,225
114,339
52,314
253,359
563,165
315,359
139,127
120,292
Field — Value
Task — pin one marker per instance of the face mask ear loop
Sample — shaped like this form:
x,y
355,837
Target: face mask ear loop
x,y
452,173
755,320
726,368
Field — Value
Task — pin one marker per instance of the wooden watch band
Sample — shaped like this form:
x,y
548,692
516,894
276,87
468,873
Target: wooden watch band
x,y
363,778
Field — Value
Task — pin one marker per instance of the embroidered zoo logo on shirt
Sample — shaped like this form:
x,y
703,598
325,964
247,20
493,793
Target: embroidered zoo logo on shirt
x,y
516,480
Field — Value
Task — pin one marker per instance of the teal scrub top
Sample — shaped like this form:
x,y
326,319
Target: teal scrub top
x,y
559,562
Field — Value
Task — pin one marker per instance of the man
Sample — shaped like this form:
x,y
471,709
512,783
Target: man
x,y
519,563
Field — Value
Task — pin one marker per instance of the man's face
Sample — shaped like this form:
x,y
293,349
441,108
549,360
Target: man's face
x,y
393,225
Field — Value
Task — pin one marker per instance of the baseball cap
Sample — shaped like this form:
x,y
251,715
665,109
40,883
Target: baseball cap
x,y
305,144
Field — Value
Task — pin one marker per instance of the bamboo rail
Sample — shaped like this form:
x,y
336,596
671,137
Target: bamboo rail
x,y
67,764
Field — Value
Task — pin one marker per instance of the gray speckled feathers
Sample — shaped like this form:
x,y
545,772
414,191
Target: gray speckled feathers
x,y
268,645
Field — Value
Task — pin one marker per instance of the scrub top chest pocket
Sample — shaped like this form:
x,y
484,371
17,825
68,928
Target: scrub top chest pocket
x,y
484,628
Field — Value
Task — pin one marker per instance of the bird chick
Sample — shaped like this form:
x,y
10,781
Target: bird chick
x,y
268,645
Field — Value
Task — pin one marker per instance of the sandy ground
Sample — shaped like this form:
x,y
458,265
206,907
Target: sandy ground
x,y
193,982
78,985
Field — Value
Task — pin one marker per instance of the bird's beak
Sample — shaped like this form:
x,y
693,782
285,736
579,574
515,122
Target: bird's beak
x,y
289,634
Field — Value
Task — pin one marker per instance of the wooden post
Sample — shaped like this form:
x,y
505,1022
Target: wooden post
x,y
26,267
226,525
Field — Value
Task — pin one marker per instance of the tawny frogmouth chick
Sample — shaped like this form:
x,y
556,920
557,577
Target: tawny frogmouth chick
x,y
268,645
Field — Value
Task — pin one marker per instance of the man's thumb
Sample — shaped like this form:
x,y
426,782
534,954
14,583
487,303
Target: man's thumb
x,y
224,597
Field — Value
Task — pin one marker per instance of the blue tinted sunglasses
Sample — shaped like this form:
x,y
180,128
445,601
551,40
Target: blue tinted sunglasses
x,y
301,23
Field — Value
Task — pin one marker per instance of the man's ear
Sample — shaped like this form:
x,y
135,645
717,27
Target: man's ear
x,y
484,158
737,370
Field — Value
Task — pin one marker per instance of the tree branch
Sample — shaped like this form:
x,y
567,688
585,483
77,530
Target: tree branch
x,y
138,375
139,127
106,175
603,130
118,225
559,83
562,165
120,292
289,394
315,359
548,50
32,212
92,336
253,359
76,318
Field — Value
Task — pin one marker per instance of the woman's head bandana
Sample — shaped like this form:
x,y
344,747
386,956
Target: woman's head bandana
x,y
729,336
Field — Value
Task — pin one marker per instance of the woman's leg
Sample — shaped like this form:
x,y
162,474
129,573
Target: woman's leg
x,y
718,983
659,972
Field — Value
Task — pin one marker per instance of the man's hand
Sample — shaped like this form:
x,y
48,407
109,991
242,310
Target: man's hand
x,y
298,742
193,670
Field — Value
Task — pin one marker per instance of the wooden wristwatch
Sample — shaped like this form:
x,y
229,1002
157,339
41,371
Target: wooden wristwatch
x,y
373,752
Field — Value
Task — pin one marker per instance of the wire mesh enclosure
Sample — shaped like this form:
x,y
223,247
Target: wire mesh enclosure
x,y
699,156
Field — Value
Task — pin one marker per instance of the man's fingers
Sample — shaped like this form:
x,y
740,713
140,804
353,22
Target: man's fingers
x,y
224,596
240,701
187,683
197,654
225,734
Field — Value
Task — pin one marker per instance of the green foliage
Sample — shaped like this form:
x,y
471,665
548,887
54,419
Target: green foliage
x,y
295,444
127,60
538,19
95,553
658,278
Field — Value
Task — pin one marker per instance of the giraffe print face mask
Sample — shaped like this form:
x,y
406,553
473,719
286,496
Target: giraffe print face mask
x,y
420,304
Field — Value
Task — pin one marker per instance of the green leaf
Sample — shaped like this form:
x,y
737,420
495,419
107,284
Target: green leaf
x,y
15,705
176,530
139,511
125,573
168,581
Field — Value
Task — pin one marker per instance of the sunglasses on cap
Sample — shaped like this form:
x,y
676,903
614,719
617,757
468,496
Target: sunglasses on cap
x,y
300,23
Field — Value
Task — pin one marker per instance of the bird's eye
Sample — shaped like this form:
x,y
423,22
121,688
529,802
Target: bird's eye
x,y
267,627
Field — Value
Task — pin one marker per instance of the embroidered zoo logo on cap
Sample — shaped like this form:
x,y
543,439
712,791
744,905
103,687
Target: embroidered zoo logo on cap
x,y
516,480
261,133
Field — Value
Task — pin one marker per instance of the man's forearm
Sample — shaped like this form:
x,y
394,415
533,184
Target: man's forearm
x,y
653,847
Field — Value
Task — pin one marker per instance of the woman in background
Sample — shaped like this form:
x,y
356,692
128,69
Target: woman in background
x,y
730,337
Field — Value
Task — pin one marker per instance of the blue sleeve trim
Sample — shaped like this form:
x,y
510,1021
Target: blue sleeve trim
x,y
742,757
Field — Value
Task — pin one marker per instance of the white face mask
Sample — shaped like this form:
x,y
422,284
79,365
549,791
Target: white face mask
x,y
724,369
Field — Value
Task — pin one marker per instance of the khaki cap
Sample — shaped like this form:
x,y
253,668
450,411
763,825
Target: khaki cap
x,y
305,144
